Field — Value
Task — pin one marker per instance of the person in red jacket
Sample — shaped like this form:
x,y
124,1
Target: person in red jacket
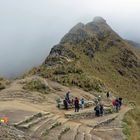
x,y
114,104
76,104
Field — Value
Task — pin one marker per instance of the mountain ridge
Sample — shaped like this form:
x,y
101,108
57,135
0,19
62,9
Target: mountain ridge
x,y
94,57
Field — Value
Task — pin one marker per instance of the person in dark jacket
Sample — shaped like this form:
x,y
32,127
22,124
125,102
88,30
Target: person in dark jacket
x,y
101,110
65,104
97,110
120,102
76,104
108,94
67,97
117,105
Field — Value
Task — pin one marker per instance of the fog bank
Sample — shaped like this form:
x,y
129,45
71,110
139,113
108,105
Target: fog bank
x,y
30,28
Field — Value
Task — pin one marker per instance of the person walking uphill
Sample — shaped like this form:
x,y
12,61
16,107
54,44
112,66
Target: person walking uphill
x,y
76,104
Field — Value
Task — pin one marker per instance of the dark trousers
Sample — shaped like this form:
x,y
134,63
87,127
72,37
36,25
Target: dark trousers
x,y
66,106
97,113
76,108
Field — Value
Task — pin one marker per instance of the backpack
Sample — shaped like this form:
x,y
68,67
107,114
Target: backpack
x,y
82,101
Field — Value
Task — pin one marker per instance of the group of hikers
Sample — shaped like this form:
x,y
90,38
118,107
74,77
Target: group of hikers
x,y
67,102
99,107
117,103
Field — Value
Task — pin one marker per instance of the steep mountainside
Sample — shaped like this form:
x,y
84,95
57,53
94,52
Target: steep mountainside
x,y
95,58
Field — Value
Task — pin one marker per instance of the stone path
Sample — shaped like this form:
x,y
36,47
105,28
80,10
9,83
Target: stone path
x,y
48,126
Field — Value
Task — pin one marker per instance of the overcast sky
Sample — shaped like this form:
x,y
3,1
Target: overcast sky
x,y
30,28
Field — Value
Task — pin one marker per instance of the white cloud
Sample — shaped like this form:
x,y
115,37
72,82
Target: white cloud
x,y
29,28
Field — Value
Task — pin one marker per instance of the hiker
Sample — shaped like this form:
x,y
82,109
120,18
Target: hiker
x,y
108,94
65,104
117,105
120,102
76,104
101,110
68,97
82,103
97,110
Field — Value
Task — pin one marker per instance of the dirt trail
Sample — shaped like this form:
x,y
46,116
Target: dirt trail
x,y
19,104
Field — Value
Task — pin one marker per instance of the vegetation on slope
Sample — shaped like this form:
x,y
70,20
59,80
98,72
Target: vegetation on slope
x,y
36,84
3,83
132,124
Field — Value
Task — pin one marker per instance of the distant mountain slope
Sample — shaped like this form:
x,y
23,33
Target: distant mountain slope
x,y
135,44
95,58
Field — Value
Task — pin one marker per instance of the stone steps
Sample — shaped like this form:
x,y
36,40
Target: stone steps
x,y
94,137
38,125
86,113
30,121
49,124
80,136
103,121
71,134
99,121
84,129
88,137
57,132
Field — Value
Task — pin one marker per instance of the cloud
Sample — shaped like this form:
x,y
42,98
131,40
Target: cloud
x,y
29,28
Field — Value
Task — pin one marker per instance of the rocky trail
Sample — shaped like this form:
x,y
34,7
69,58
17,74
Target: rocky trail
x,y
49,126
36,120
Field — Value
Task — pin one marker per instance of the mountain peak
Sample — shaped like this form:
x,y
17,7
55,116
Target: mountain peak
x,y
80,25
99,19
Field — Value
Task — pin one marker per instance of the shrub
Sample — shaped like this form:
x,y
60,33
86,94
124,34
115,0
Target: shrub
x,y
2,86
36,84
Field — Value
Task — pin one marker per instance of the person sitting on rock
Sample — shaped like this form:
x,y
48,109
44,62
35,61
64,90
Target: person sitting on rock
x,y
82,103
76,104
